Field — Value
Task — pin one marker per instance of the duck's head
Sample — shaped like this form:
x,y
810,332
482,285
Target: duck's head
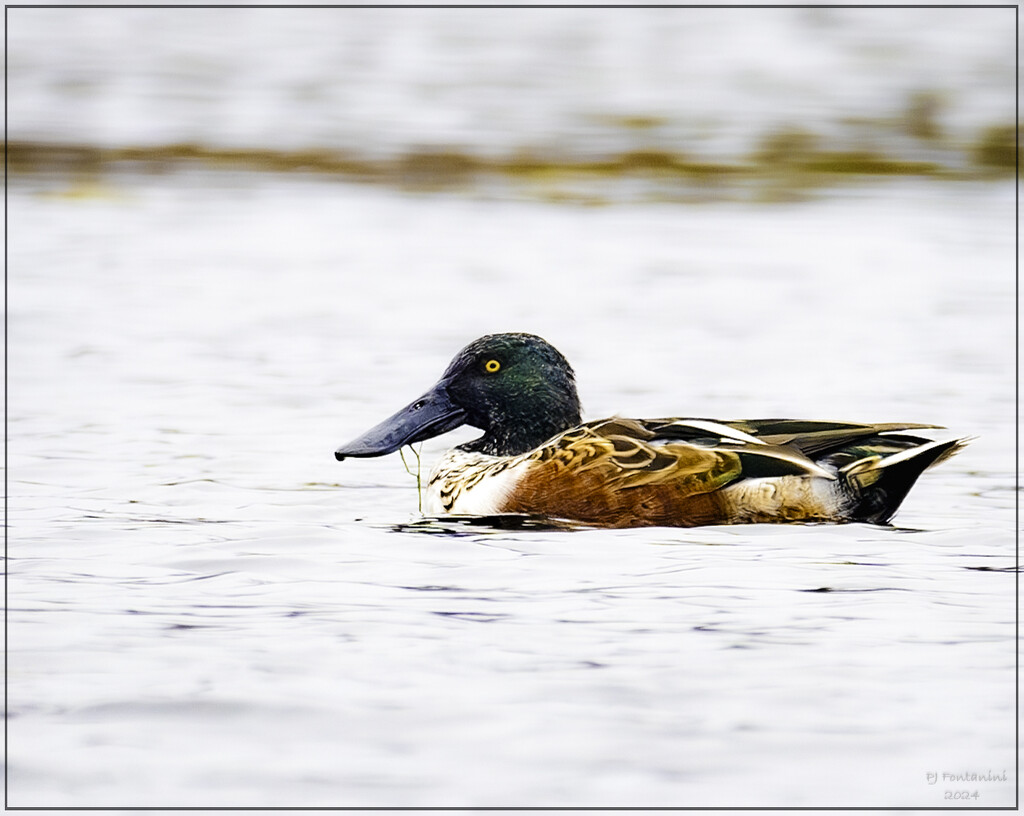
x,y
516,388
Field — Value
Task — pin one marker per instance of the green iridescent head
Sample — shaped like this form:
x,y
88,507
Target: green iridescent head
x,y
516,388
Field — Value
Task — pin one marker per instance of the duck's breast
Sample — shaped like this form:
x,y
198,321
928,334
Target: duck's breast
x,y
471,484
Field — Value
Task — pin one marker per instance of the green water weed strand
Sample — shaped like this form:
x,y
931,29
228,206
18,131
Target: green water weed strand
x,y
417,474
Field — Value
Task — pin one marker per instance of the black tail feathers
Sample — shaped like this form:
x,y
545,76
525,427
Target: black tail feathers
x,y
880,484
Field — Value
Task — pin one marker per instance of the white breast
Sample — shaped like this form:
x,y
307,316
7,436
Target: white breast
x,y
471,484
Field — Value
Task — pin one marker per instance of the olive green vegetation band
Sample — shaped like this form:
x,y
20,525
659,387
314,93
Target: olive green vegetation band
x,y
796,156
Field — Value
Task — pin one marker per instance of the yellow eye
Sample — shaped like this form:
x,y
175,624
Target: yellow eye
x,y
492,366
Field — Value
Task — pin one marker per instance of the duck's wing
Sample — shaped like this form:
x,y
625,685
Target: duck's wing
x,y
815,439
696,455
628,472
687,472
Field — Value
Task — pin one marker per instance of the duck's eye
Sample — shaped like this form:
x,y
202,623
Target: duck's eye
x,y
492,366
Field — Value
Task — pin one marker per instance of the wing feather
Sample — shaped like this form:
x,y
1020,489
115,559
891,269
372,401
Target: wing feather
x,y
816,438
632,453
632,472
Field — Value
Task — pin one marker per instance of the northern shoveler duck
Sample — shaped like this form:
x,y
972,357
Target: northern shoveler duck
x,y
536,457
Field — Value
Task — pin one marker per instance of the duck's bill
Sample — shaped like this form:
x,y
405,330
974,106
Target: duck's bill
x,y
431,415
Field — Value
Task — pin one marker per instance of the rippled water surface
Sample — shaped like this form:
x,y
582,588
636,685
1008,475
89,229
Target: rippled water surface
x,y
207,609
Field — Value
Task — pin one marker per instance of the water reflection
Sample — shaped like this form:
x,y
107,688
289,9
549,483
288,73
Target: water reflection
x,y
455,525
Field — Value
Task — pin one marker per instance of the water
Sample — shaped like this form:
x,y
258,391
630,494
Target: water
x,y
206,609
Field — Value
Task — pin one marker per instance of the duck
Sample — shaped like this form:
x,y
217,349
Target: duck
x,y
536,457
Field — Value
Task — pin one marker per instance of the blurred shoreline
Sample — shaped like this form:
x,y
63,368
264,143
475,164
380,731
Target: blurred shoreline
x,y
785,164
545,99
